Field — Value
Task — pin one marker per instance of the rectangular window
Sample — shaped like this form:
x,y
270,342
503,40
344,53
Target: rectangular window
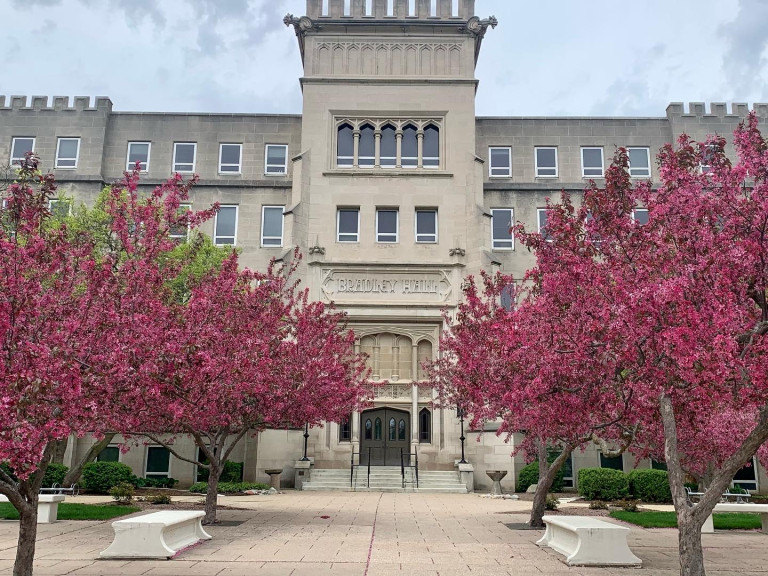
x,y
501,223
272,226
138,152
180,232
109,454
501,162
59,208
184,154
616,463
707,153
276,159
640,215
225,227
386,226
229,158
746,477
546,162
592,162
345,430
67,152
541,214
158,462
639,162
19,148
348,225
426,226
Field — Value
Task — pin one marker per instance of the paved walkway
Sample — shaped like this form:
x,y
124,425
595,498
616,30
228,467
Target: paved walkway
x,y
317,534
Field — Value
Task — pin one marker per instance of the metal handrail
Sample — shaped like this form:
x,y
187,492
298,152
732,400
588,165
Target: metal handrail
x,y
352,469
369,467
415,466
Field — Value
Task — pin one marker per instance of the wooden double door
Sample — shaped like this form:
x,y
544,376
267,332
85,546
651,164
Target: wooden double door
x,y
384,433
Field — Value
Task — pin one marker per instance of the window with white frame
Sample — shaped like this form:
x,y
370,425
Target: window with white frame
x,y
230,158
746,477
276,159
180,231
184,154
541,217
272,226
158,463
707,154
592,162
426,226
19,148
67,153
500,165
640,215
138,152
348,225
639,162
501,226
546,161
225,226
59,208
387,225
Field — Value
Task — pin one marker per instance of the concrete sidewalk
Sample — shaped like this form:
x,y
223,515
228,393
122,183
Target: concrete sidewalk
x,y
316,534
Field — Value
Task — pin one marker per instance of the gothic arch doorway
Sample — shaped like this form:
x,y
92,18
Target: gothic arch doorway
x,y
384,432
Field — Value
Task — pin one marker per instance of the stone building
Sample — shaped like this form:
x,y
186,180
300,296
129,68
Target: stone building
x,y
392,187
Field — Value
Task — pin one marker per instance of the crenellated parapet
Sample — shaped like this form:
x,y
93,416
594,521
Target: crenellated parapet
x,y
381,9
716,109
58,104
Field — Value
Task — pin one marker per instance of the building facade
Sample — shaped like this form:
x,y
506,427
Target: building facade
x,y
392,187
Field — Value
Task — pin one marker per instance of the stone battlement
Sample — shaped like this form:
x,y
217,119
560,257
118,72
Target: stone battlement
x,y
416,9
60,103
719,109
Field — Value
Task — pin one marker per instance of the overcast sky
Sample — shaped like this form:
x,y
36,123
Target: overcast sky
x,y
551,57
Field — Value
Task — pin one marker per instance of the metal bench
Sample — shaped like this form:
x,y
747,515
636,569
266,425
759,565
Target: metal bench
x,y
588,541
740,497
73,490
47,507
159,535
762,509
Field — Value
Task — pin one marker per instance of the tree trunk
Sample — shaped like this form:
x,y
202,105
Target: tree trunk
x,y
59,451
689,543
211,496
547,474
74,473
25,549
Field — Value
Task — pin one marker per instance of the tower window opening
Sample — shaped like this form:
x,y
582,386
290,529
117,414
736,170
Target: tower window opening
x,y
455,8
347,7
411,7
433,8
390,7
368,8
324,9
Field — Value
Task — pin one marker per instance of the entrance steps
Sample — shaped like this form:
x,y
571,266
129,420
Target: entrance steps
x,y
384,479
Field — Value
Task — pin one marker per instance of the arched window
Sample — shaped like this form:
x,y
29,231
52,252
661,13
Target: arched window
x,y
388,147
377,429
431,151
366,152
345,432
425,426
401,430
368,429
392,429
345,146
410,147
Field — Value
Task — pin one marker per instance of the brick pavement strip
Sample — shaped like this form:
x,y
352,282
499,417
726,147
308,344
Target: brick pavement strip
x,y
425,534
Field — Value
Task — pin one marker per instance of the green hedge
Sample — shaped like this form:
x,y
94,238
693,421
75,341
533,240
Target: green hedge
x,y
54,474
233,472
650,485
229,487
99,477
603,484
529,475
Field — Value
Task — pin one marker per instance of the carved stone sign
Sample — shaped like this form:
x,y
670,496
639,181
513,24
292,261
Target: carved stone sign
x,y
397,286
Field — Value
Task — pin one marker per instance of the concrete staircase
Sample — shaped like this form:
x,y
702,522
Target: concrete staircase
x,y
385,479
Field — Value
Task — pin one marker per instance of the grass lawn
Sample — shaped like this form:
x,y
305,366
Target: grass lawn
x,y
653,519
75,511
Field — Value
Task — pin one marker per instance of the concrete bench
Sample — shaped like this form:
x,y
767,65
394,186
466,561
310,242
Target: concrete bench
x,y
762,509
47,507
157,535
588,541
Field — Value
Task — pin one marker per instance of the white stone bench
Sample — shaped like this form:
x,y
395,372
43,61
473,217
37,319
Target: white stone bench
x,y
588,541
47,507
762,509
156,535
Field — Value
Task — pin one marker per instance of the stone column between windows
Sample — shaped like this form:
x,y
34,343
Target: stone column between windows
x,y
414,401
399,146
420,146
377,148
396,362
356,138
376,374
354,423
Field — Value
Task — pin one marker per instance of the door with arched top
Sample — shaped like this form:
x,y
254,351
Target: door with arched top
x,y
384,432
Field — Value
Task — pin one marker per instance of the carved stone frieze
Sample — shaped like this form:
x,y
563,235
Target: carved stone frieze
x,y
388,59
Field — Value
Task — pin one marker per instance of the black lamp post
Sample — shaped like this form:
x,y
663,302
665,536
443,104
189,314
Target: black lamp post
x,y
460,414
306,438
